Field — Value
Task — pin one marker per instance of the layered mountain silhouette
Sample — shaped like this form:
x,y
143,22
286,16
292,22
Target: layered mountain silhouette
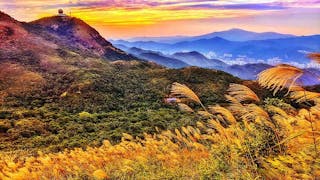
x,y
247,71
157,57
234,34
195,58
235,44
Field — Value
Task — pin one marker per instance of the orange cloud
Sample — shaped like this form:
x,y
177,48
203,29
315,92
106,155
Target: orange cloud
x,y
148,16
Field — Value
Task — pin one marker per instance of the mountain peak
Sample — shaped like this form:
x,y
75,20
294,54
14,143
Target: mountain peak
x,y
66,26
237,29
190,53
236,34
78,34
195,52
217,38
195,58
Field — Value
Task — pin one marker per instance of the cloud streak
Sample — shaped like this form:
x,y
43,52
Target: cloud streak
x,y
213,4
129,15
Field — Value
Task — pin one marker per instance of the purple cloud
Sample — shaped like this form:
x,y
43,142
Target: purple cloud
x,y
173,5
264,6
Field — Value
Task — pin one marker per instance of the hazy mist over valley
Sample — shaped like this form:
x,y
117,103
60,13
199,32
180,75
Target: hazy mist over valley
x,y
227,50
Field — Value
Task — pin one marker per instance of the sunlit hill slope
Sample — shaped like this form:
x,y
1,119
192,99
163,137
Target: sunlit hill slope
x,y
54,68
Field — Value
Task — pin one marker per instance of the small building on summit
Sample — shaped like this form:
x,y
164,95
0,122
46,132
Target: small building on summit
x,y
60,13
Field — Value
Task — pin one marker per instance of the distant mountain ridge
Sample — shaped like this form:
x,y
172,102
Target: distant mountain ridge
x,y
234,34
165,39
292,49
157,58
248,71
195,58
177,60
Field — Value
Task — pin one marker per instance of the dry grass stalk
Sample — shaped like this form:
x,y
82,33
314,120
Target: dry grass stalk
x,y
280,77
224,112
277,110
232,99
242,93
303,96
182,91
185,108
204,114
255,112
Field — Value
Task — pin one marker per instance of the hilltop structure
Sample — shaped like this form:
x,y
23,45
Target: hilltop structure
x,y
60,13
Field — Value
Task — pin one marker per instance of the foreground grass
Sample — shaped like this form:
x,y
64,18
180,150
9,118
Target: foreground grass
x,y
212,150
247,139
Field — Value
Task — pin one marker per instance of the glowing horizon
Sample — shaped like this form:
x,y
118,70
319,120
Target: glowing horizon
x,y
132,18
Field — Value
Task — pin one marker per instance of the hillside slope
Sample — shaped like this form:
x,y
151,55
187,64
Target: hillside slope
x,y
56,94
80,36
157,58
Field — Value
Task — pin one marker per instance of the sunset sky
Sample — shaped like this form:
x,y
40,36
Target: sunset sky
x,y
130,18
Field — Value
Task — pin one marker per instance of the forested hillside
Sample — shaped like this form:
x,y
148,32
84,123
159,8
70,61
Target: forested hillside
x,y
60,87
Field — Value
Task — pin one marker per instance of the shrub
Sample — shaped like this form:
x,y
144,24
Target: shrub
x,y
28,128
85,115
278,103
